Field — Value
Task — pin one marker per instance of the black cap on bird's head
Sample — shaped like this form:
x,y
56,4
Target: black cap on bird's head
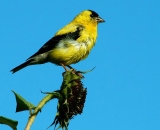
x,y
96,16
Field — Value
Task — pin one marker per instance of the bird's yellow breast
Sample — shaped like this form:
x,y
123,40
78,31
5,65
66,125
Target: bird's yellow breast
x,y
69,51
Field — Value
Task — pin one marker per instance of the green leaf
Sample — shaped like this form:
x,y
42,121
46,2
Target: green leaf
x,y
12,123
22,104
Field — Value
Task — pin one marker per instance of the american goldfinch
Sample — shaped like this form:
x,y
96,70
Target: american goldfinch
x,y
70,44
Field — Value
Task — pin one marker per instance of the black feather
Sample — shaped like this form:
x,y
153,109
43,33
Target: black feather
x,y
21,66
94,14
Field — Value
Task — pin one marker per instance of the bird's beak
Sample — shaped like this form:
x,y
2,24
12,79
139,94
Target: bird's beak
x,y
99,19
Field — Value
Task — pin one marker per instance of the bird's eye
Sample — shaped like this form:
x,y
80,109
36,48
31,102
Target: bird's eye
x,y
91,15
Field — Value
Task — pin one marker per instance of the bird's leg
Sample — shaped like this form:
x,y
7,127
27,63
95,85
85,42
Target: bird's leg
x,y
70,67
73,70
64,67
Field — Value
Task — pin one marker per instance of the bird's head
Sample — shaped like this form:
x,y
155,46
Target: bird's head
x,y
88,16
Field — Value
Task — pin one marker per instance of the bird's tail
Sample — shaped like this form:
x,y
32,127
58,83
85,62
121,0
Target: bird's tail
x,y
25,64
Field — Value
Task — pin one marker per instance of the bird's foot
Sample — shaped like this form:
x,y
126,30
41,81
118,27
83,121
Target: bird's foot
x,y
75,72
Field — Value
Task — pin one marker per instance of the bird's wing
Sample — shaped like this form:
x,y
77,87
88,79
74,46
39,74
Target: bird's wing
x,y
72,32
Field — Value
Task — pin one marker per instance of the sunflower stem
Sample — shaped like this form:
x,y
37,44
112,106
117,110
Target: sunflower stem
x,y
33,115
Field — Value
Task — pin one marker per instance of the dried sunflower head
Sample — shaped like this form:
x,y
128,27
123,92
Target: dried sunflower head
x,y
71,101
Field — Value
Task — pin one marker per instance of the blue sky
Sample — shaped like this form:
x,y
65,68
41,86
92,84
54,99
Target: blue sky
x,y
123,89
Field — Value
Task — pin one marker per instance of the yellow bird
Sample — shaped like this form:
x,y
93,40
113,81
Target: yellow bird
x,y
70,44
